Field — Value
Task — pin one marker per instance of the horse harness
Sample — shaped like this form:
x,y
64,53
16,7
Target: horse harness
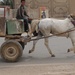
x,y
73,21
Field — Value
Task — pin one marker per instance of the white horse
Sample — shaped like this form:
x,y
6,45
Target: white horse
x,y
53,26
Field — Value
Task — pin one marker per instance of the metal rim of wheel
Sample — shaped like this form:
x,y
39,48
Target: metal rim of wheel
x,y
11,51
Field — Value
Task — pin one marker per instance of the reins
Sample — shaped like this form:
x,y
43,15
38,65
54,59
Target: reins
x,y
70,30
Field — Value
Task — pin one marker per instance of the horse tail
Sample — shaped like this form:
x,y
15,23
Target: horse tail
x,y
35,33
37,27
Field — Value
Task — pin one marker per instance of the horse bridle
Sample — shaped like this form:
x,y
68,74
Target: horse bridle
x,y
73,20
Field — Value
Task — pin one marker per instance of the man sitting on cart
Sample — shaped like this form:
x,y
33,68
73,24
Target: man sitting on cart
x,y
22,14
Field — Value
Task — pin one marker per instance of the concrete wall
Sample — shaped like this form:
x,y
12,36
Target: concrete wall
x,y
72,6
56,8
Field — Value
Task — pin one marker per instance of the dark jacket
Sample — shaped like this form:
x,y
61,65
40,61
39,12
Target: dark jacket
x,y
21,13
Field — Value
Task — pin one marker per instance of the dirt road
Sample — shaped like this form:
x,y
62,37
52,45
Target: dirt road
x,y
40,62
40,69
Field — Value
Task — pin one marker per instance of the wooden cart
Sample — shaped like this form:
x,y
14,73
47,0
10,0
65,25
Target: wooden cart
x,y
12,49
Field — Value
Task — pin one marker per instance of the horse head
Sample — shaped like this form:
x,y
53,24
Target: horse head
x,y
72,18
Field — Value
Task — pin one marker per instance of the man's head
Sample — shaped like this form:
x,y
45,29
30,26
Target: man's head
x,y
23,2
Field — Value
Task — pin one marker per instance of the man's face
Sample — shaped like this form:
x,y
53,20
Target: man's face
x,y
23,2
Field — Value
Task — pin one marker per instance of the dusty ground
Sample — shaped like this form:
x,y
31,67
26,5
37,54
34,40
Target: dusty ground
x,y
40,62
40,69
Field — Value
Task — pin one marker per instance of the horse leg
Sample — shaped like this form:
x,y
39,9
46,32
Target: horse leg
x,y
34,43
33,48
47,45
73,43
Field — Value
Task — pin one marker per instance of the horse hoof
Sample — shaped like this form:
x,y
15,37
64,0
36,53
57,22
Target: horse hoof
x,y
53,55
68,50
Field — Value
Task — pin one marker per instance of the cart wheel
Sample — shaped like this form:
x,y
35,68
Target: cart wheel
x,y
11,51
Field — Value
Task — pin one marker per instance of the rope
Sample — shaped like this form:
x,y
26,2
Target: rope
x,y
28,39
70,30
